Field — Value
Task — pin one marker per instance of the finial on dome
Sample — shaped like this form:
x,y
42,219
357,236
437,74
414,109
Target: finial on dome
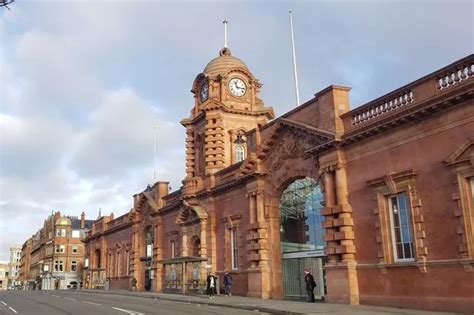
x,y
224,52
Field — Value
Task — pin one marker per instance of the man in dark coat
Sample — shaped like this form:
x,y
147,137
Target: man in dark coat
x,y
227,284
310,285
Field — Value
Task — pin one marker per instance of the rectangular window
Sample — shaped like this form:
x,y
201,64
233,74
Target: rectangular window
x,y
74,249
76,234
58,265
111,265
127,255
233,247
400,220
73,265
60,248
117,264
173,249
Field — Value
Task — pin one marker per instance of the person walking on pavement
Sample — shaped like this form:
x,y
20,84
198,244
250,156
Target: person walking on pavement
x,y
227,284
310,285
211,285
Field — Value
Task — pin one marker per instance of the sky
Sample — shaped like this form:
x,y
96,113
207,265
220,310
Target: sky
x,y
84,84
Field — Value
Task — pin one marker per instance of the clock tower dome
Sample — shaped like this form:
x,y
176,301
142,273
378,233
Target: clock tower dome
x,y
226,107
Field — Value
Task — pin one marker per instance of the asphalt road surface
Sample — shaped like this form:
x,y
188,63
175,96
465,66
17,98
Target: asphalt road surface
x,y
71,302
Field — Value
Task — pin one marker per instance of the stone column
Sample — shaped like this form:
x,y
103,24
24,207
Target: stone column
x,y
184,243
203,237
252,207
158,254
330,202
346,234
345,230
263,245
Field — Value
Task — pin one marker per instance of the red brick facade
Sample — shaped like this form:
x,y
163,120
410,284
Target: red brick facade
x,y
396,175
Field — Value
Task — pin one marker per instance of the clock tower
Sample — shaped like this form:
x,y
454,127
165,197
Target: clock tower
x,y
226,107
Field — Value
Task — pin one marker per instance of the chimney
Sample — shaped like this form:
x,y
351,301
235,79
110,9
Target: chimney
x,y
111,216
83,220
161,190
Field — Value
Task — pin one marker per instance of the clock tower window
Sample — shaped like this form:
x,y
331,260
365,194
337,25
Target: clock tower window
x,y
239,149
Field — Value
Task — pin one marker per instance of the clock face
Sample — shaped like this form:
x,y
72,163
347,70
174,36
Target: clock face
x,y
204,93
237,87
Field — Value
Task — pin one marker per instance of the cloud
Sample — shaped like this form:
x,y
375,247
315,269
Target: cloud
x,y
31,147
120,136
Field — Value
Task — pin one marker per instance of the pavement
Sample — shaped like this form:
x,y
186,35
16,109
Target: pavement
x,y
266,306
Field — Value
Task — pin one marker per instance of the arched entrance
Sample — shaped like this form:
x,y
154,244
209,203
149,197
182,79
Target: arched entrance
x,y
149,246
302,237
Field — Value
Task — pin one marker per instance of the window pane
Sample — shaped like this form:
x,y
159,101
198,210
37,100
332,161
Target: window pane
x,y
407,249
402,201
397,235
399,251
404,218
406,234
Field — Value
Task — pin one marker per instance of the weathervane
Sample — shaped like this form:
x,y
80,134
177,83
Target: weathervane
x,y
225,32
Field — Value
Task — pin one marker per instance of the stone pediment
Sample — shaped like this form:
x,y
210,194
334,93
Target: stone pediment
x,y
465,153
288,139
140,209
190,214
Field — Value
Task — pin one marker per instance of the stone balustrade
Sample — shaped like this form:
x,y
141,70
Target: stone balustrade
x,y
192,185
389,104
455,75
414,93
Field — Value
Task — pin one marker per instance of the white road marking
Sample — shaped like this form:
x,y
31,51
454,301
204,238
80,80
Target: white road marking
x,y
55,295
69,298
13,309
4,303
127,311
91,303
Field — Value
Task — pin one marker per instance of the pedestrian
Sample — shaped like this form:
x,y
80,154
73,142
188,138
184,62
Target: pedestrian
x,y
211,285
310,285
227,284
134,283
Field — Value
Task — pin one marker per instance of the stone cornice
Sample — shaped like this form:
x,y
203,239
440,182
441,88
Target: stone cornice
x,y
212,105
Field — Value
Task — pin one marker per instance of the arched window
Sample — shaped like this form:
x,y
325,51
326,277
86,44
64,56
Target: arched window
x,y
239,152
239,149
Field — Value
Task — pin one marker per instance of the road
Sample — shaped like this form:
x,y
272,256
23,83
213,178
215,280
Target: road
x,y
71,302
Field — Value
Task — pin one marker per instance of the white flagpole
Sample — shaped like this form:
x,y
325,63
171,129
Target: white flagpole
x,y
155,129
225,33
295,73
